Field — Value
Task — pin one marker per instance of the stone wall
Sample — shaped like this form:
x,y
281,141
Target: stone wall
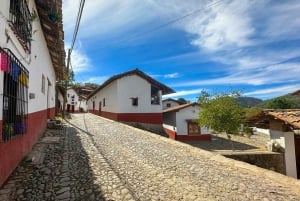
x,y
272,161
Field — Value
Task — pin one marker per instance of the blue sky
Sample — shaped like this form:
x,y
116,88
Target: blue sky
x,y
248,45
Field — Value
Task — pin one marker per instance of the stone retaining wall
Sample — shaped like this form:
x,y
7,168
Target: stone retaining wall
x,y
272,161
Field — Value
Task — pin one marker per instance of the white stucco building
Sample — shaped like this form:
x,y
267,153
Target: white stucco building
x,y
168,103
180,123
75,102
31,61
284,127
132,96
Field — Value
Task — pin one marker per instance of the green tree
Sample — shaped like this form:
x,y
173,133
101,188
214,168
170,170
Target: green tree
x,y
279,103
252,111
221,113
182,100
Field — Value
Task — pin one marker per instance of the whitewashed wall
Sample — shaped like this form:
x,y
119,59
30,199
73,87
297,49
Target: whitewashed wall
x,y
71,92
172,103
278,137
60,97
38,63
134,86
290,157
82,104
110,95
263,130
190,112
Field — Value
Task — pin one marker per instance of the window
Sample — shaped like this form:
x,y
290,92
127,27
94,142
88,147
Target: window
x,y
134,101
20,22
168,104
155,99
14,97
103,102
193,128
43,84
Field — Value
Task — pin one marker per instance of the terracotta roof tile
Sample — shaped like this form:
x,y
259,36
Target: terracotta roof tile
x,y
291,116
179,107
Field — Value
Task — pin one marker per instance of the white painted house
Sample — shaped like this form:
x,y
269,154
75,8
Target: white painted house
x,y
132,96
180,123
168,103
284,127
32,59
75,102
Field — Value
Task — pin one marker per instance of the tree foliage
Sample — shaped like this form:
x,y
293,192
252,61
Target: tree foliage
x,y
182,100
252,111
221,112
279,103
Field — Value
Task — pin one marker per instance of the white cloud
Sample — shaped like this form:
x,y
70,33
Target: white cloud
x,y
224,26
172,75
183,93
279,73
273,92
80,62
237,33
168,76
284,22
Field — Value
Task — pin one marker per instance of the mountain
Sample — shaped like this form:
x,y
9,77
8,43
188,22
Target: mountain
x,y
248,101
291,99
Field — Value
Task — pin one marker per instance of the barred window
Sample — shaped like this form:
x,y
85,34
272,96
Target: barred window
x,y
14,97
20,21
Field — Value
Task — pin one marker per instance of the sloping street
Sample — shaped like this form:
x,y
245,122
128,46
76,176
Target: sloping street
x,y
93,158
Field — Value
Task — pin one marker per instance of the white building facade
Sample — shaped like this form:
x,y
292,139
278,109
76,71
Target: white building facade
x,y
168,103
132,96
75,102
180,123
28,77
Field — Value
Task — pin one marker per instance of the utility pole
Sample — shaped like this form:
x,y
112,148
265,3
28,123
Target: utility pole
x,y
66,84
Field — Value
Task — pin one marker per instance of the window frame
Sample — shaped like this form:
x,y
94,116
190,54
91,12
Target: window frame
x,y
20,21
134,101
155,95
14,96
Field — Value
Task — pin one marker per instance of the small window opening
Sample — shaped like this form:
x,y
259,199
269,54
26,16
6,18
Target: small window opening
x,y
155,99
134,101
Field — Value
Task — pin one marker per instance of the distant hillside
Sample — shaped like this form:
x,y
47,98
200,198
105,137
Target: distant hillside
x,y
292,98
248,101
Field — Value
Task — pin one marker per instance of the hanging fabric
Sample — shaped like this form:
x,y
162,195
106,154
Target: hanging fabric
x,y
3,61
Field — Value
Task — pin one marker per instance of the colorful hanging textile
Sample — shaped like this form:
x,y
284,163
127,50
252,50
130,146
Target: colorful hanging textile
x,y
15,71
3,61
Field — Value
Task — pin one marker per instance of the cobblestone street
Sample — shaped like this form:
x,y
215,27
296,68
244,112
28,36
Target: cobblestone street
x,y
93,158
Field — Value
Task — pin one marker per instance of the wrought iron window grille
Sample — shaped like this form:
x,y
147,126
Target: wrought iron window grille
x,y
14,96
21,22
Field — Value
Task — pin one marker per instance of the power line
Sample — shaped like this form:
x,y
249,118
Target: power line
x,y
81,5
165,24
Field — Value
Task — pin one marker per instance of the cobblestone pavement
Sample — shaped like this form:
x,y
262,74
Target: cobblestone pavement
x,y
99,159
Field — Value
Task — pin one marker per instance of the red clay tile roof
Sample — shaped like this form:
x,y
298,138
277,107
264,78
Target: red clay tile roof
x,y
179,107
290,116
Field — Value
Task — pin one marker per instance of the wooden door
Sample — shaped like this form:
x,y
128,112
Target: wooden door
x,y
193,128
